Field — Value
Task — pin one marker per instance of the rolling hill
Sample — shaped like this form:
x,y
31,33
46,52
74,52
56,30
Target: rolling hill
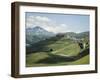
x,y
47,48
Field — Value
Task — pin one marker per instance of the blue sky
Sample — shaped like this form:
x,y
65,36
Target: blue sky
x,y
58,23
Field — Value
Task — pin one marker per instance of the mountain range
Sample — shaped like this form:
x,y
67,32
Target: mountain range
x,y
36,34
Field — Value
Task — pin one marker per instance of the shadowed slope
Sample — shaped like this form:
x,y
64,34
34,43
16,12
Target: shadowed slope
x,y
54,58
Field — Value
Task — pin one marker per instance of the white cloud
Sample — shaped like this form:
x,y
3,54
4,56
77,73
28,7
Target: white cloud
x,y
42,18
46,23
63,25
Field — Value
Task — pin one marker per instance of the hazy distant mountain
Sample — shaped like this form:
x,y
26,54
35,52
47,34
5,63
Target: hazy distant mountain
x,y
83,34
36,34
74,36
37,31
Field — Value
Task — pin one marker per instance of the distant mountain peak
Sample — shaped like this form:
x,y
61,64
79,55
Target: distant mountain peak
x,y
36,34
38,27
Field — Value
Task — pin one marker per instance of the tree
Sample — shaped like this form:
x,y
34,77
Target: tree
x,y
51,50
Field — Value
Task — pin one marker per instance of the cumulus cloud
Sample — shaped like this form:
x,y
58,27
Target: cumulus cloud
x,y
42,18
46,23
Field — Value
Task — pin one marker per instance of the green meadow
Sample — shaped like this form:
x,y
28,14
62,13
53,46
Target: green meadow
x,y
56,52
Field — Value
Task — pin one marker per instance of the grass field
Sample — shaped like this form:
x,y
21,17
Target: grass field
x,y
62,53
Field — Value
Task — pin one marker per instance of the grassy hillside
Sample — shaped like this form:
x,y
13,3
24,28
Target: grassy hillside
x,y
56,51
